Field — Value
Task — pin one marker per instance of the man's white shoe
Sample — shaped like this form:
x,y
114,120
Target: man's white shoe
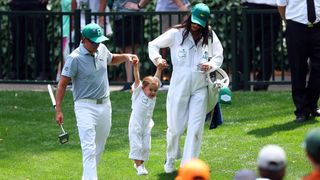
x,y
169,166
141,170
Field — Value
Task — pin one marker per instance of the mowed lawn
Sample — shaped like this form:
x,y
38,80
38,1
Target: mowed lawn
x,y
29,147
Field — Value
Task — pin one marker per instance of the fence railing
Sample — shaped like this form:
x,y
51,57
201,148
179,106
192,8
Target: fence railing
x,y
242,55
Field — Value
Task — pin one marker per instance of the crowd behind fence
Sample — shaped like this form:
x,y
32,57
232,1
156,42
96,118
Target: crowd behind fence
x,y
230,26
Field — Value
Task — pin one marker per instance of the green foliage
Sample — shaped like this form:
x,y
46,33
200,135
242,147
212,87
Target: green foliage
x,y
220,22
4,43
29,147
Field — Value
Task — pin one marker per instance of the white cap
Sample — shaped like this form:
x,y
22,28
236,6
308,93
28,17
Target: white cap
x,y
272,157
245,174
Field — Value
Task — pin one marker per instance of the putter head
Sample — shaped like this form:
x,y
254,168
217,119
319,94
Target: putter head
x,y
63,138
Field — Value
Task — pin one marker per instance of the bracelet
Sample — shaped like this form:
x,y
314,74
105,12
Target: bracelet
x,y
139,7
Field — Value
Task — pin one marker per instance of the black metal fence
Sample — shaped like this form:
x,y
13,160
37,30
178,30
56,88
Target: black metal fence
x,y
244,57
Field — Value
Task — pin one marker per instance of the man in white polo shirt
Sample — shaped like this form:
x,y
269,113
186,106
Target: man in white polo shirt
x,y
86,66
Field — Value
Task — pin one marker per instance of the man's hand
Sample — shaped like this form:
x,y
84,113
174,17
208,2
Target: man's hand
x,y
133,58
59,117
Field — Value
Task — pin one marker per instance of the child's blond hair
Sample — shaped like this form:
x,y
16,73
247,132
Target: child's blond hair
x,y
150,80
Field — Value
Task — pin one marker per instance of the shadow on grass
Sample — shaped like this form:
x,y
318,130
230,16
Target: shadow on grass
x,y
288,126
169,176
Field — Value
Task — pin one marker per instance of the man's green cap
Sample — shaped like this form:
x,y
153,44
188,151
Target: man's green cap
x,y
94,33
312,142
200,14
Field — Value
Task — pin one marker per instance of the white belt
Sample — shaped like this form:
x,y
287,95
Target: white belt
x,y
95,101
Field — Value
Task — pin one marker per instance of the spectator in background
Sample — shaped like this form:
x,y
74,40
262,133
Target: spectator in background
x,y
23,25
263,31
171,5
195,169
65,7
312,148
303,44
128,31
272,162
94,6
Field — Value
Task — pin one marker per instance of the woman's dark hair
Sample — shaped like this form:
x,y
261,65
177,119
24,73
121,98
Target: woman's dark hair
x,y
204,31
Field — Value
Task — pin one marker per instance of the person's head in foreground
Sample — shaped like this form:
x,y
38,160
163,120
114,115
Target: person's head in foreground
x,y
272,162
92,36
245,174
312,147
194,169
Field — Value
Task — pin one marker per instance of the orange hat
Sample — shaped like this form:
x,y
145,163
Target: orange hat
x,y
194,168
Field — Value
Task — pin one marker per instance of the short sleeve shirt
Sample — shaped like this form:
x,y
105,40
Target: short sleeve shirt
x,y
142,105
169,5
118,5
88,72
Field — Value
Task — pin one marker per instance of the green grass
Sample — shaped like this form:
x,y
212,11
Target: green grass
x,y
29,147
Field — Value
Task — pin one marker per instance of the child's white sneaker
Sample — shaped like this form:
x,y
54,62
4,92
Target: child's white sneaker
x,y
145,170
141,170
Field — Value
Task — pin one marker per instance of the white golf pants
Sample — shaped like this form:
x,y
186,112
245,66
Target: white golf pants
x,y
94,124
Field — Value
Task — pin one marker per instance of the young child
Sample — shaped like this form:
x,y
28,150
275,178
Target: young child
x,y
143,101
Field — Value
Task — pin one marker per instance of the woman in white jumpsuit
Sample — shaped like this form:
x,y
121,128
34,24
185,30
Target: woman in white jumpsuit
x,y
187,95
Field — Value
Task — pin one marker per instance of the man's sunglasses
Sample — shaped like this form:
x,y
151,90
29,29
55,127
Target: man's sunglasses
x,y
93,43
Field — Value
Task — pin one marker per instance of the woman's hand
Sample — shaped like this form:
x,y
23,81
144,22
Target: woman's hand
x,y
205,67
162,62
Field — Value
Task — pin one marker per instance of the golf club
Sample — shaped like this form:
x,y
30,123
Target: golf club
x,y
64,136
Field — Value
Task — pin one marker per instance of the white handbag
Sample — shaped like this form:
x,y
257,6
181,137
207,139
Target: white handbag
x,y
216,80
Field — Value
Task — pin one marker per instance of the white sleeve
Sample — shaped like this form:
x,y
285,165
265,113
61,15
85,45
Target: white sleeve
x,y
136,91
109,56
164,40
217,53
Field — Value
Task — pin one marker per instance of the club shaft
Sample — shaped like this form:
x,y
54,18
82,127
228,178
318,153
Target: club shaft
x,y
53,100
62,129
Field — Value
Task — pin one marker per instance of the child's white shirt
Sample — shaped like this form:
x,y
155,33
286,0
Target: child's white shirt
x,y
142,109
